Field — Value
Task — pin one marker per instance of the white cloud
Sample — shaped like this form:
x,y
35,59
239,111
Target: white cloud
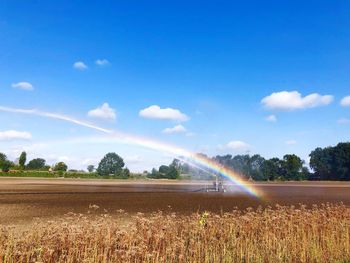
x,y
190,134
291,142
271,118
102,62
345,102
343,121
79,65
236,146
155,112
175,129
23,85
292,100
14,135
103,112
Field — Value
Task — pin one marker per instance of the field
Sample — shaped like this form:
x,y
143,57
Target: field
x,y
22,199
70,220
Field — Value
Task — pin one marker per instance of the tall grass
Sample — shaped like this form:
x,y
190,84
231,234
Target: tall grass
x,y
282,234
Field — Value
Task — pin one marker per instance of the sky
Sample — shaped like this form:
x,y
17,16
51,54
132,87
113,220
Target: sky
x,y
216,77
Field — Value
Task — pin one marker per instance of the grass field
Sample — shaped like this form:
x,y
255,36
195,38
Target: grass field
x,y
70,220
282,234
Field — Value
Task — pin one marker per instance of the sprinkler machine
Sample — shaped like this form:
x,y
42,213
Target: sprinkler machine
x,y
217,186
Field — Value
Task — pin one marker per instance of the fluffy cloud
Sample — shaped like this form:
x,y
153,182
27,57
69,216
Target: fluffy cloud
x,y
102,62
293,100
176,129
103,112
23,85
271,118
291,142
236,146
14,135
345,102
343,121
79,65
155,112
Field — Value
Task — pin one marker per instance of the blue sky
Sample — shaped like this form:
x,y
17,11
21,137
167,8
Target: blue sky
x,y
227,77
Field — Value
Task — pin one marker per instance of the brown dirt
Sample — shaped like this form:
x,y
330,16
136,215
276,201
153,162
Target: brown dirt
x,y
24,199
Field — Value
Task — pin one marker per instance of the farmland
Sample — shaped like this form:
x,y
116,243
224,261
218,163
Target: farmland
x,y
23,199
70,220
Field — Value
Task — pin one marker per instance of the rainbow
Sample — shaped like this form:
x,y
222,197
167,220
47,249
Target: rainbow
x,y
196,159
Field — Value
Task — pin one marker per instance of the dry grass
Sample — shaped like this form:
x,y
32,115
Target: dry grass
x,y
281,234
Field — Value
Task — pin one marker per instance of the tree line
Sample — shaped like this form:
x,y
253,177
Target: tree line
x,y
257,168
171,171
37,164
330,163
110,165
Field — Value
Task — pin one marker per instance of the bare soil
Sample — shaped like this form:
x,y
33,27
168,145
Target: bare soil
x,y
24,199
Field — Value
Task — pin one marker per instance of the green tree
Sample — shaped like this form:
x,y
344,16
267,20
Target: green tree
x,y
36,164
225,160
91,168
3,160
291,167
22,159
154,174
6,165
173,172
271,169
164,170
126,172
256,165
176,163
331,163
111,164
321,162
341,159
60,167
185,168
305,173
241,164
3,157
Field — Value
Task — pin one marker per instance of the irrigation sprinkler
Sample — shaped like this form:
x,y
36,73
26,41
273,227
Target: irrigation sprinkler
x,y
217,186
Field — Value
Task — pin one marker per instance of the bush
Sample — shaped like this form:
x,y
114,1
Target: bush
x,y
5,166
83,175
28,174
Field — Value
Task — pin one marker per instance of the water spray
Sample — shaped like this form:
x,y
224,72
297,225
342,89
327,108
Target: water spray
x,y
196,159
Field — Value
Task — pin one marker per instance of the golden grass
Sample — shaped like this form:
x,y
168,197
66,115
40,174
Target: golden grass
x,y
281,234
